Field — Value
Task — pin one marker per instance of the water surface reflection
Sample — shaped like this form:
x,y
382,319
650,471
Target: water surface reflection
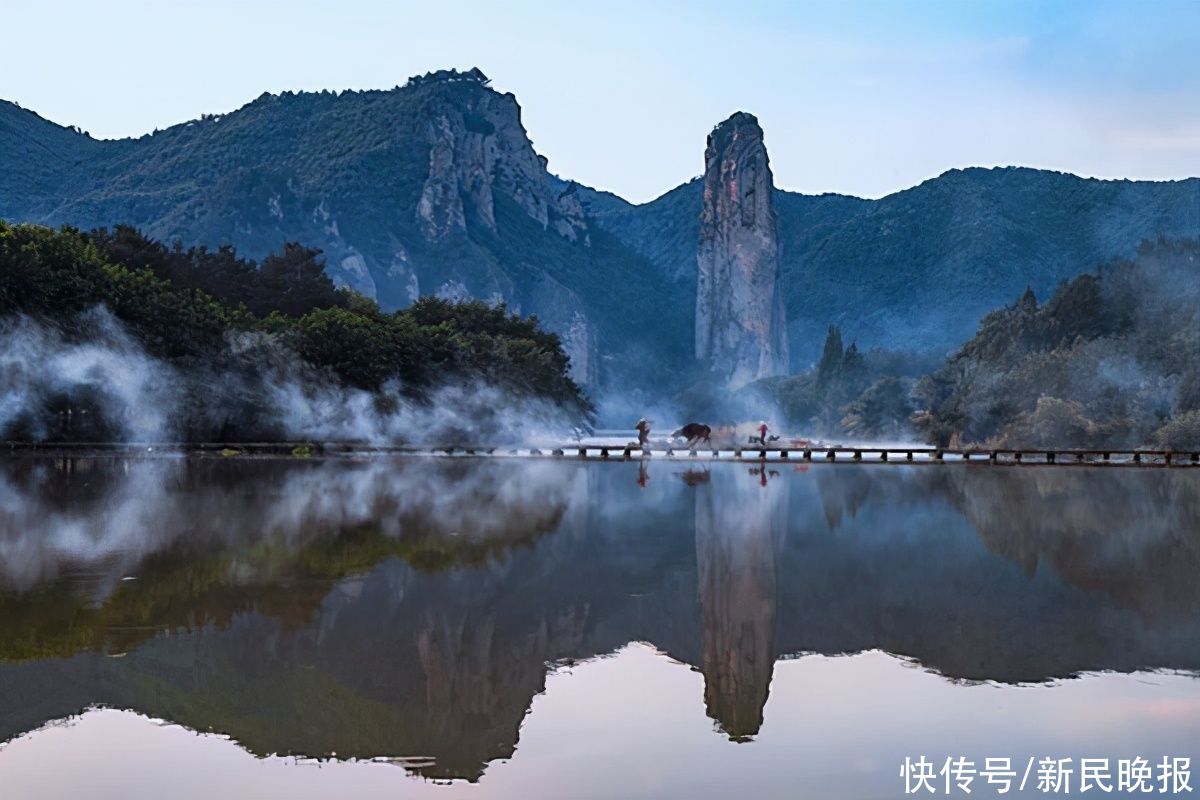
x,y
414,608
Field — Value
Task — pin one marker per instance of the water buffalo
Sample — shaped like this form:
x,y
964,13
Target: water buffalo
x,y
694,432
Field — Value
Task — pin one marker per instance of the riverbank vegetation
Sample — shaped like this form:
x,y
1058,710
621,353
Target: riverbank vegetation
x,y
109,333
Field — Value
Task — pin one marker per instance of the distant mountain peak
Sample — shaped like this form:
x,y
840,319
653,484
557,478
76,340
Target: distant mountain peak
x,y
473,75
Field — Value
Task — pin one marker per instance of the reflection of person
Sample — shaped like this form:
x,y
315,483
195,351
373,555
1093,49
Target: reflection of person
x,y
643,429
643,475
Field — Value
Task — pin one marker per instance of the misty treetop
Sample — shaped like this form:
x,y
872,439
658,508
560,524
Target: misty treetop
x,y
1111,359
232,330
866,396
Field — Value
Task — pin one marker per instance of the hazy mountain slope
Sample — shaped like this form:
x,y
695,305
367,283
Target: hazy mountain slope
x,y
40,160
917,269
666,231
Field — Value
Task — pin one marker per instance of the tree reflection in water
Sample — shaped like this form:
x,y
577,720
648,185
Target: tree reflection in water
x,y
414,607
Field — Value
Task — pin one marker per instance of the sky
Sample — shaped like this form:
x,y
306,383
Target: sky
x,y
856,97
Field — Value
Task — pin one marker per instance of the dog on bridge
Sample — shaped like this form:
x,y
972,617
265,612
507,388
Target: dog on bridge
x,y
695,433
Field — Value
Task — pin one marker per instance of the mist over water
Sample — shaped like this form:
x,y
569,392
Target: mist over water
x,y
265,390
102,363
106,515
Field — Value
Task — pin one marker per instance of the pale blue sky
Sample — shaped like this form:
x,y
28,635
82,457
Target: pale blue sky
x,y
857,97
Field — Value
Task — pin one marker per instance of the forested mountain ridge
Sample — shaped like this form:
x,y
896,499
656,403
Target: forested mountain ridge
x,y
429,189
435,188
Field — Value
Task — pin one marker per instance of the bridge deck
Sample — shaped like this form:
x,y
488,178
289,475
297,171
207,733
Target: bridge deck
x,y
578,450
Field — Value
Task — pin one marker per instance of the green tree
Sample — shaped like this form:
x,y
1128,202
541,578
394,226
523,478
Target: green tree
x,y
831,356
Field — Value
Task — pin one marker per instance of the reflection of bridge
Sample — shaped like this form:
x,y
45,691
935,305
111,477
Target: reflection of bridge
x,y
586,450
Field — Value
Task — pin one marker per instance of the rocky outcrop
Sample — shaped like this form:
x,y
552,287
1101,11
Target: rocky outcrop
x,y
570,218
477,145
561,310
478,148
740,328
479,151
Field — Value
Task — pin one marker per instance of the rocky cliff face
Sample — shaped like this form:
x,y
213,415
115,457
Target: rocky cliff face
x,y
740,328
478,148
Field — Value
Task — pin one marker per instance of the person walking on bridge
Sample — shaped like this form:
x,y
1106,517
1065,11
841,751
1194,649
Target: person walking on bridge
x,y
762,433
643,429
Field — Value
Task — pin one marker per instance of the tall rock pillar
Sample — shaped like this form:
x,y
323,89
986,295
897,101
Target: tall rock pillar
x,y
740,328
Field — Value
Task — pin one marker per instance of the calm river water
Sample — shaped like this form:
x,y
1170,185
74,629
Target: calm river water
x,y
199,628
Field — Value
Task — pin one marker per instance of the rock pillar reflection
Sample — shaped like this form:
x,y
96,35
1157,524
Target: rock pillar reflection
x,y
737,522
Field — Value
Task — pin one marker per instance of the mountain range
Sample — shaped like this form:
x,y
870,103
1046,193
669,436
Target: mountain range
x,y
435,188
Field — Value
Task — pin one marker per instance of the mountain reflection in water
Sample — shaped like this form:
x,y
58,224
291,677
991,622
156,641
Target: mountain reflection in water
x,y
414,608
